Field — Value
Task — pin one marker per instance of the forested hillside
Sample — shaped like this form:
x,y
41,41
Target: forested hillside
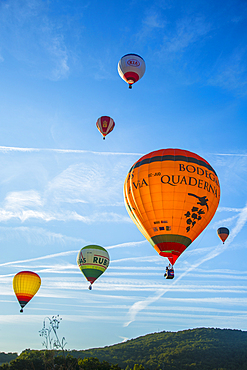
x,y
202,348
6,357
198,349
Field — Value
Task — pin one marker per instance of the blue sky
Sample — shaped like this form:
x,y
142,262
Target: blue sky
x,y
61,185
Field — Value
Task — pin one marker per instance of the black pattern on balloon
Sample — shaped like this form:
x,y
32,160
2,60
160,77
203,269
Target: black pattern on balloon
x,y
203,201
195,214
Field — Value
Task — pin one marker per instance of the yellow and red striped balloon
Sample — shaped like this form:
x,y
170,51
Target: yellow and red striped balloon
x,y
25,285
171,195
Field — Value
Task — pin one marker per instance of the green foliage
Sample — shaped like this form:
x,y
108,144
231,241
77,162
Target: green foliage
x,y
5,366
49,360
197,349
203,348
92,363
138,367
27,361
7,357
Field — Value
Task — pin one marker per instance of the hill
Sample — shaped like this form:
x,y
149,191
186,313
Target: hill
x,y
202,348
198,349
7,357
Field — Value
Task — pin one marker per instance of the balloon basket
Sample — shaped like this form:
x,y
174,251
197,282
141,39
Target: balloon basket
x,y
169,274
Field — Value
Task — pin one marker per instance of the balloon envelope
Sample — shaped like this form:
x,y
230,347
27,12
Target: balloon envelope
x,y
25,285
105,125
223,233
131,68
93,260
171,195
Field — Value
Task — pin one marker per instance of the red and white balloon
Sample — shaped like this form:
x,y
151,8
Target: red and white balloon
x,y
105,125
131,68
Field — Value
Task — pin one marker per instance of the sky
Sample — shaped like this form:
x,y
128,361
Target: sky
x,y
61,185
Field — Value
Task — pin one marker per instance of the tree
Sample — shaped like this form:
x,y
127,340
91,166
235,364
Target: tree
x,y
71,363
4,366
24,364
115,367
89,363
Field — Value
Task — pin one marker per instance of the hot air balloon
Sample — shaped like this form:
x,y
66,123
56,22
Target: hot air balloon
x,y
131,68
25,285
93,260
171,195
223,233
105,125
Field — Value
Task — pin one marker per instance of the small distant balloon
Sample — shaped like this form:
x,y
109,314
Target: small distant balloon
x,y
131,68
25,285
93,260
105,125
223,233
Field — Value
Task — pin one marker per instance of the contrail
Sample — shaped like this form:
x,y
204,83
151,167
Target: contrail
x,y
5,149
141,305
130,244
39,258
230,154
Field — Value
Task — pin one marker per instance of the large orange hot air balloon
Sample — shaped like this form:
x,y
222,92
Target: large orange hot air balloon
x,y
223,233
105,125
131,68
171,195
25,285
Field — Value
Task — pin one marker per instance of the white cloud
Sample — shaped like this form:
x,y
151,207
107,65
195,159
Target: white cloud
x,y
34,38
231,72
226,222
188,31
88,183
124,339
229,209
22,199
154,20
81,181
37,236
143,304
59,55
15,319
